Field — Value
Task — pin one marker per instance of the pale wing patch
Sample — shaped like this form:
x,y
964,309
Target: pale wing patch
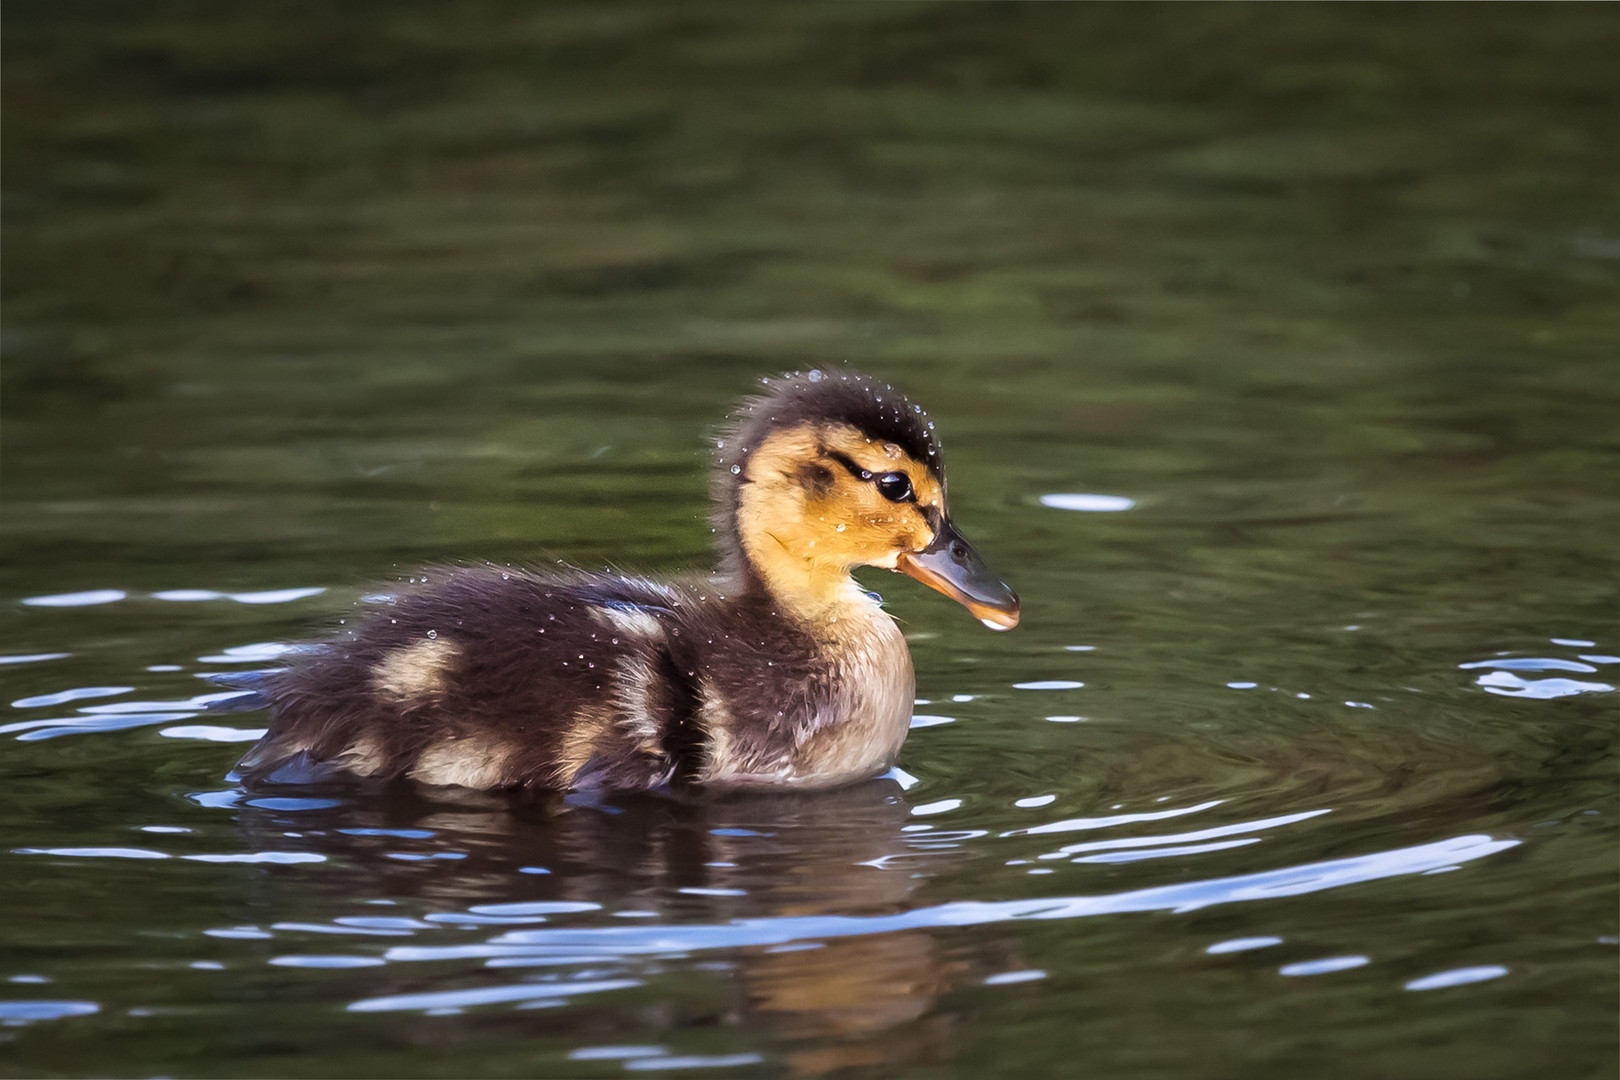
x,y
636,697
469,763
579,742
630,622
365,757
715,719
416,671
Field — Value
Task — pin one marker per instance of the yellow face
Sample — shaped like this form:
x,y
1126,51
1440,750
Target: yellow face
x,y
819,499
827,498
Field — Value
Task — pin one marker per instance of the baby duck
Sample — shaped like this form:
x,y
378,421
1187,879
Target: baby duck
x,y
777,670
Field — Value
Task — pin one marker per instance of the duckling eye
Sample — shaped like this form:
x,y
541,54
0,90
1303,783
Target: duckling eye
x,y
896,487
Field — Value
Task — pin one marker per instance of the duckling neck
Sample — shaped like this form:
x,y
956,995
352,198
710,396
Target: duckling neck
x,y
819,593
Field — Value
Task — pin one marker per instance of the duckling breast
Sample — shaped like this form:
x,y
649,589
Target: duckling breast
x,y
817,711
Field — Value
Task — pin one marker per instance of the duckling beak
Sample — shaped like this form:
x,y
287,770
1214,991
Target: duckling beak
x,y
951,566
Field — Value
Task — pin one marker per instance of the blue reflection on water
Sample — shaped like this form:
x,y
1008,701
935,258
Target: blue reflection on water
x,y
1179,898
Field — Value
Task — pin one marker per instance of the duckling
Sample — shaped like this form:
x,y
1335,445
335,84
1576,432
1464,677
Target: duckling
x,y
777,670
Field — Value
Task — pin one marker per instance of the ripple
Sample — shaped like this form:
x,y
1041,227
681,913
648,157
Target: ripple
x,y
536,907
1007,978
1167,852
1507,684
489,995
1088,503
271,596
326,928
239,933
1049,684
258,652
1532,663
382,922
278,802
77,599
327,961
1180,898
1109,822
198,703
33,658
79,693
1325,966
694,1061
93,852
210,733
277,596
615,1053
1458,977
117,716
923,720
1193,837
1242,944
282,858
901,777
27,1012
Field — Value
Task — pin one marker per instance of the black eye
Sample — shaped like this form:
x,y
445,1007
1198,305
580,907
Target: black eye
x,y
895,486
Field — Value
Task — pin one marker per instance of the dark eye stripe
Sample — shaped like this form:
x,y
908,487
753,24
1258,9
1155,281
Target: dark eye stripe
x,y
849,463
894,486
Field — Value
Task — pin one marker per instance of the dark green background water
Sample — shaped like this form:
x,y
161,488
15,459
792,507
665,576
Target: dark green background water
x,y
306,297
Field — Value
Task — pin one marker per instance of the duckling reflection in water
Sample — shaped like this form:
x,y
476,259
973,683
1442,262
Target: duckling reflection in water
x,y
777,670
716,860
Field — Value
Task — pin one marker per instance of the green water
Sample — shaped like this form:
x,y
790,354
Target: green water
x,y
1303,762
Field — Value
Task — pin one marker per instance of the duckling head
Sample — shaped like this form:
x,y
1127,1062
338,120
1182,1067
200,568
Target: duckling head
x,y
828,471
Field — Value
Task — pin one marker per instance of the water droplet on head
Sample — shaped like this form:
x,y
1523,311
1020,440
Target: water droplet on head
x,y
840,527
736,470
433,634
814,375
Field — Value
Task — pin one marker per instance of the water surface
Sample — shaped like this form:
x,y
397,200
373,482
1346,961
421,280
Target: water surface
x,y
1274,357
